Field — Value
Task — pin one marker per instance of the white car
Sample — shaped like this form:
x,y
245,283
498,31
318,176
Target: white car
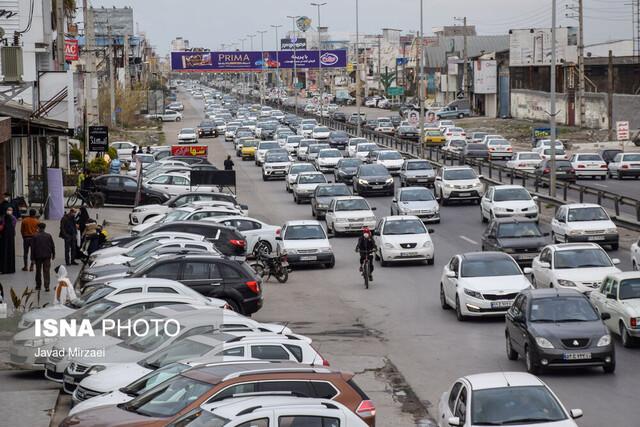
x,y
350,150
292,173
261,151
526,161
349,214
327,159
275,164
193,212
305,243
303,147
416,201
579,266
124,149
155,245
487,137
258,234
545,153
171,116
305,185
320,132
504,201
481,284
635,255
584,222
499,149
403,238
135,243
546,143
187,136
503,398
175,184
454,132
458,183
363,149
293,141
454,145
306,130
384,126
390,159
443,124
589,164
625,164
281,136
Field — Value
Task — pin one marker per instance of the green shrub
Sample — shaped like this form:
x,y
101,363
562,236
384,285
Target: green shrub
x,y
76,154
112,152
98,166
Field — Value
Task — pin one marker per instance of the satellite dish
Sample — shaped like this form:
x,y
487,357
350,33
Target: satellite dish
x,y
2,33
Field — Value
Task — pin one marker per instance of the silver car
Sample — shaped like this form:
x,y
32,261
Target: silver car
x,y
417,172
417,201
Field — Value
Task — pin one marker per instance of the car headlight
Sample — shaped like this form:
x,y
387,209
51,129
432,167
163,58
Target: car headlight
x,y
325,250
388,245
542,342
141,209
477,184
39,342
370,218
342,220
566,283
363,182
427,244
389,180
474,294
88,277
604,340
574,232
322,206
611,231
447,185
95,369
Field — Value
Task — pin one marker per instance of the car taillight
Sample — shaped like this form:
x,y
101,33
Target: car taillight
x,y
633,322
238,243
604,166
278,231
625,166
546,170
254,286
509,149
581,166
572,170
366,408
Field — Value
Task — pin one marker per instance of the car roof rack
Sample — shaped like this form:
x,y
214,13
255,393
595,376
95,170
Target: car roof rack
x,y
258,394
311,370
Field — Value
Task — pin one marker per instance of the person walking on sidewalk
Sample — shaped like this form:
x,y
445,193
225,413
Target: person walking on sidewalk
x,y
64,291
228,164
8,242
43,251
28,229
68,232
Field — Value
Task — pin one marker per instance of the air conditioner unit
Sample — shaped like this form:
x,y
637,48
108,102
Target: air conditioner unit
x,y
11,57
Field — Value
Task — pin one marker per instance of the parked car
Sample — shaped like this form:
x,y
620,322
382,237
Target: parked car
x,y
519,237
306,243
124,149
554,328
584,222
453,112
122,190
348,214
416,201
170,116
176,183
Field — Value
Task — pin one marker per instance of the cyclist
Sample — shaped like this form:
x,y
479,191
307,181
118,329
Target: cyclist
x,y
366,246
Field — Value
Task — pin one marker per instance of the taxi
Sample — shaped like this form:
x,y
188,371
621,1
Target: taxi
x,y
249,148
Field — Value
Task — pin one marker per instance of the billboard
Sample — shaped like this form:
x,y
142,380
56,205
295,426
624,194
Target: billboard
x,y
71,49
255,61
532,47
485,77
298,44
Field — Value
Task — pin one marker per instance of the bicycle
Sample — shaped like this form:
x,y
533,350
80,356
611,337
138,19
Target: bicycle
x,y
72,201
366,269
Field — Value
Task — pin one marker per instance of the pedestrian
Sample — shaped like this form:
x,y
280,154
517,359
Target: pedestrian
x,y
8,202
83,218
8,242
148,149
115,166
68,232
43,251
64,292
133,154
228,164
28,229
140,150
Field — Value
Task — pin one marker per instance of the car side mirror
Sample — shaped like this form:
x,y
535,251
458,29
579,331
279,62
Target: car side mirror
x,y
245,207
376,232
451,274
611,296
279,238
480,177
528,270
543,264
576,413
394,200
615,261
454,421
606,316
546,234
438,178
534,198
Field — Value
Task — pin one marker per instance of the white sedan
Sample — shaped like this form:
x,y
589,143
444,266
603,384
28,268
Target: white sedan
x,y
625,164
390,159
306,243
584,222
503,201
481,284
635,255
403,238
187,136
589,164
349,214
327,159
320,132
524,161
352,144
175,184
258,234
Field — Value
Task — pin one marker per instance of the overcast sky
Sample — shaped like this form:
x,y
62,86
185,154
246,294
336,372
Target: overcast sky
x,y
208,23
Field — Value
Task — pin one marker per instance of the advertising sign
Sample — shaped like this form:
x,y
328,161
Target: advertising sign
x,y
71,50
189,150
255,61
622,131
296,43
98,138
303,23
485,77
395,91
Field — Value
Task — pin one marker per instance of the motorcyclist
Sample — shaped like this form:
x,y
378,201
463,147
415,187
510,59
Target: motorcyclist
x,y
367,247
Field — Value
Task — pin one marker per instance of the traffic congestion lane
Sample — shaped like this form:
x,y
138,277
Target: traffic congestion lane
x,y
428,345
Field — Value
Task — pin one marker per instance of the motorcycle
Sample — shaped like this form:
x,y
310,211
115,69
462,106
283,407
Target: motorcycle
x,y
267,265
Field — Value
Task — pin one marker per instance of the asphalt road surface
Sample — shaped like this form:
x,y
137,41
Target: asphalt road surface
x,y
428,345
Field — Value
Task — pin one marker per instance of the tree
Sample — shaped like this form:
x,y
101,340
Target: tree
x,y
386,79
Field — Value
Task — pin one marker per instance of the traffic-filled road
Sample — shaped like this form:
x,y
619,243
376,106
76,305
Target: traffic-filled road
x,y
428,345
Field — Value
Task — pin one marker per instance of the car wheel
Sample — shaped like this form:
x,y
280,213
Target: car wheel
x,y
619,176
402,184
383,263
431,261
461,116
443,299
444,201
484,220
330,264
295,199
511,353
531,362
554,239
615,246
264,177
461,317
625,337
610,368
178,119
234,306
262,246
602,177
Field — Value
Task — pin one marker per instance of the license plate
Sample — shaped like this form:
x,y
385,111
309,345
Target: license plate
x,y
377,187
308,258
465,194
50,367
595,238
422,179
577,356
68,379
501,304
408,254
526,256
278,172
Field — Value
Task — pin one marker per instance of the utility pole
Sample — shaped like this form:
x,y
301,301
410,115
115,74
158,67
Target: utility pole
x,y
112,84
250,75
295,61
277,60
262,82
552,113
610,95
125,63
420,63
60,60
320,81
358,80
581,76
465,55
89,61
380,87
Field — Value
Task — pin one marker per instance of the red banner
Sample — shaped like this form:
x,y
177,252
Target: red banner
x,y
189,150
71,50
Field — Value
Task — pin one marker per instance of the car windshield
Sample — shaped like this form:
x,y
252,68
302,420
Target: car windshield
x,y
304,167
294,139
332,191
479,135
529,156
308,126
476,147
168,399
339,134
514,405
317,147
434,133
356,141
311,179
147,342
488,267
405,226
366,147
176,215
587,214
590,157
153,378
459,174
144,248
562,309
304,232
631,158
352,205
349,163
373,170
208,419
420,165
389,155
90,295
416,195
506,194
181,349
268,145
321,129
457,143
518,229
559,152
581,258
629,289
330,153
188,130
407,129
249,143
276,158
94,311
501,142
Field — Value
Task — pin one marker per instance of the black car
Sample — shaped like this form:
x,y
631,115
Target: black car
x,y
322,196
121,190
373,179
521,238
207,128
564,171
396,120
558,328
268,131
339,116
371,124
475,151
608,154
226,239
408,132
338,139
346,169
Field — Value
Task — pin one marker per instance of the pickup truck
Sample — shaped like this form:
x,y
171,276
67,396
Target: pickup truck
x,y
452,112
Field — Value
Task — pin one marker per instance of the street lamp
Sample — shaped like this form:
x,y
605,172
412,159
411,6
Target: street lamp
x,y
358,84
295,62
262,84
251,37
552,102
320,81
421,76
277,60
